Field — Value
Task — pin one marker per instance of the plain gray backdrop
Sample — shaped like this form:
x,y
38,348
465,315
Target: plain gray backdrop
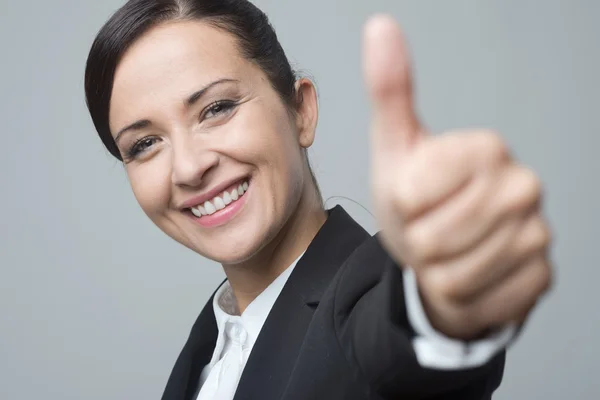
x,y
96,302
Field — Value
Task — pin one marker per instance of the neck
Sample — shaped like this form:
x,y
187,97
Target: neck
x,y
250,278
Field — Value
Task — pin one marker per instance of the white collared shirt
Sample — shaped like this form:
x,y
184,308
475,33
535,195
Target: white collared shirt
x,y
238,333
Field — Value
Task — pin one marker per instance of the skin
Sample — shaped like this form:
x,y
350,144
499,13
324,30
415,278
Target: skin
x,y
192,149
474,235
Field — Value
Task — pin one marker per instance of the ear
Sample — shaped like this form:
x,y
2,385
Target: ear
x,y
307,111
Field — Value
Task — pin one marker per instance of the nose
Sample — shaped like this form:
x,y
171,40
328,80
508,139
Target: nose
x,y
191,162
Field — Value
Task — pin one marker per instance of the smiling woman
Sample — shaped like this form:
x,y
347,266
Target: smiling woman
x,y
199,101
194,118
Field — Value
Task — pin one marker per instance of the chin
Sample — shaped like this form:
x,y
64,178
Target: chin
x,y
232,248
231,254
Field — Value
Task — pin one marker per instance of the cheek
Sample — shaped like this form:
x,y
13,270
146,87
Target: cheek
x,y
284,169
287,157
273,147
151,187
273,134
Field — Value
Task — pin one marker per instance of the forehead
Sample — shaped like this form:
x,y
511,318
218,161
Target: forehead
x,y
170,61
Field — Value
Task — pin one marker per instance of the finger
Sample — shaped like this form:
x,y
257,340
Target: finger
x,y
495,259
388,78
518,189
462,221
517,295
441,167
533,237
460,278
455,225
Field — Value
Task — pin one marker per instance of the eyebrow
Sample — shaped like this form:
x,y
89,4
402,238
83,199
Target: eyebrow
x,y
190,101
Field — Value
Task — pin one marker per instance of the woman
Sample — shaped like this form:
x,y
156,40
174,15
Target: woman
x,y
198,100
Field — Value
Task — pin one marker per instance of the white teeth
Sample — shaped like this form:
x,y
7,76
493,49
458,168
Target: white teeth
x,y
219,203
196,212
210,209
227,198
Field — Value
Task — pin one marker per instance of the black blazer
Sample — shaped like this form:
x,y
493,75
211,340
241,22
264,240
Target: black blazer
x,y
338,330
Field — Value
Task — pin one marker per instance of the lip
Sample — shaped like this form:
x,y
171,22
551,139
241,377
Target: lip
x,y
222,217
211,194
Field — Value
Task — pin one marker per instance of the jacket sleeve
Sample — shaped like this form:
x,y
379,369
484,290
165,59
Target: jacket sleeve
x,y
375,332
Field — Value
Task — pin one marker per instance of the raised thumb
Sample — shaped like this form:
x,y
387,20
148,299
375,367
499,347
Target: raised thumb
x,y
388,78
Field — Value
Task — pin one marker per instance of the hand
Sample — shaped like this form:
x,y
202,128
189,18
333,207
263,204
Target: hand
x,y
454,207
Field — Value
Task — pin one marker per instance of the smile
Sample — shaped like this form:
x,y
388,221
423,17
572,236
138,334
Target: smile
x,y
223,204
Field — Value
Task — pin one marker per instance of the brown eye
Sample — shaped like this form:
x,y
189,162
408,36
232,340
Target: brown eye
x,y
141,146
221,107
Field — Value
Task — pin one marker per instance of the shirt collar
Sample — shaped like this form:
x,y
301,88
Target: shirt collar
x,y
254,316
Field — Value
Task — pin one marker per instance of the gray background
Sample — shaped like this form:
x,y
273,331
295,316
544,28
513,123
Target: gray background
x,y
95,302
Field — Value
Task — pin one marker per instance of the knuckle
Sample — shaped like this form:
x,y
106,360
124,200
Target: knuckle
x,y
541,277
532,184
538,237
492,145
543,236
526,191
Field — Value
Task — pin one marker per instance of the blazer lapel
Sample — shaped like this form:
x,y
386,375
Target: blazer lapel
x,y
277,347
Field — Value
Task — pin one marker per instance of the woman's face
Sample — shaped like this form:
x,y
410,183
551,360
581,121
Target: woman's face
x,y
213,156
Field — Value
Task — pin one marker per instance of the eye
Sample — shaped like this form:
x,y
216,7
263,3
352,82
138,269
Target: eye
x,y
221,107
140,146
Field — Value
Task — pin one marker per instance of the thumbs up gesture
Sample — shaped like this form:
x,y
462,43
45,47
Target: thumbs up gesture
x,y
453,207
